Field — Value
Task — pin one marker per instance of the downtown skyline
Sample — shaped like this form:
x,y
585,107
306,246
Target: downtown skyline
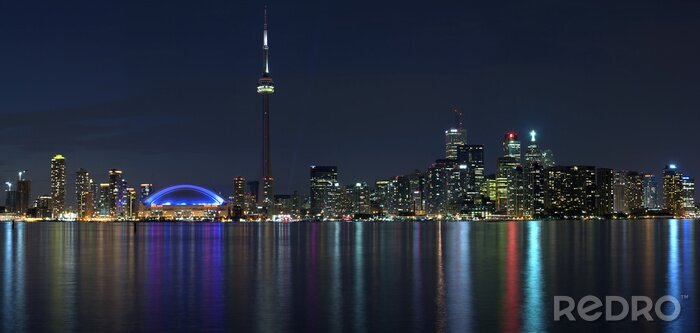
x,y
368,136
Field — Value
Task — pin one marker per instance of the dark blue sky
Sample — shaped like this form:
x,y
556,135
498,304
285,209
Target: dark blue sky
x,y
165,90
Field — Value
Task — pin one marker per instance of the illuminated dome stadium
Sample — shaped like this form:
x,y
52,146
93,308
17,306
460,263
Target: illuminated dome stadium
x,y
183,202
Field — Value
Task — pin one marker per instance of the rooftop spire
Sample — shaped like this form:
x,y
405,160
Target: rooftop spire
x,y
458,119
266,65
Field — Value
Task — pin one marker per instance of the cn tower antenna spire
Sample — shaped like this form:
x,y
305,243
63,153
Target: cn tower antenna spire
x,y
266,63
458,119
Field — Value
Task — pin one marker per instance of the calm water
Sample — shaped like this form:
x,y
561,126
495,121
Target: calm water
x,y
354,277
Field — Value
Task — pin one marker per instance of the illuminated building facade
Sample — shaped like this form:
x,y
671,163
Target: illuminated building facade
x,y
24,192
689,209
145,191
58,185
83,194
42,207
239,193
361,199
511,145
131,206
400,202
651,192
117,197
184,202
455,139
103,201
673,191
324,191
571,191
605,180
473,157
634,193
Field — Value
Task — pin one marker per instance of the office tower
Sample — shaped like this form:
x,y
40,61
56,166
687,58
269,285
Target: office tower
x,y
83,194
361,199
634,193
146,190
535,191
571,191
473,157
380,197
117,197
400,198
511,145
505,167
58,185
619,185
24,192
418,192
253,191
323,182
239,192
534,177
265,89
10,199
516,193
689,209
455,137
605,198
103,200
548,158
437,184
673,191
345,204
651,192
43,206
131,208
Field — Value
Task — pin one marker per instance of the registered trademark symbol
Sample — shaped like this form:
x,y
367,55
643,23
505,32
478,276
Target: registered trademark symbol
x,y
684,296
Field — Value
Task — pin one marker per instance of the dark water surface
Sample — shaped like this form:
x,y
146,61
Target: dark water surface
x,y
338,277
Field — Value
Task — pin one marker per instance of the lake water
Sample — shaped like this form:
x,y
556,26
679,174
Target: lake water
x,y
339,277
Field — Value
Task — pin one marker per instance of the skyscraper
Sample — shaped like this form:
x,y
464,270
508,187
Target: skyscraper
x,y
605,198
146,190
651,191
131,207
83,194
455,138
323,182
117,193
673,191
571,191
511,145
239,192
24,192
634,192
265,89
58,185
689,209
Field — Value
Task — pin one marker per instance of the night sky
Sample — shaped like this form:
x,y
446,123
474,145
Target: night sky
x,y
165,90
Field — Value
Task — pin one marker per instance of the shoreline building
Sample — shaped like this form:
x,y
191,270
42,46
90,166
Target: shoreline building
x,y
58,186
673,191
83,195
24,193
324,191
266,88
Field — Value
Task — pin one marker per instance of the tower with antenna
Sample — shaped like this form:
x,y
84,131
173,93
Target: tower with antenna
x,y
265,89
455,137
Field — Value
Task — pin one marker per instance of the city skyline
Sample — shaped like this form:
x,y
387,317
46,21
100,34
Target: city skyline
x,y
354,125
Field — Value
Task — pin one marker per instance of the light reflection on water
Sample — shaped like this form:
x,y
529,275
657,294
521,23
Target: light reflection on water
x,y
352,277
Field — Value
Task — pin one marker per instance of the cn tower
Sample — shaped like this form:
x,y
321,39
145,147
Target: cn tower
x,y
265,89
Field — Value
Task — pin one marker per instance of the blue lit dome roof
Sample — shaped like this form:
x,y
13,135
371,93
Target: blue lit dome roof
x,y
183,195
